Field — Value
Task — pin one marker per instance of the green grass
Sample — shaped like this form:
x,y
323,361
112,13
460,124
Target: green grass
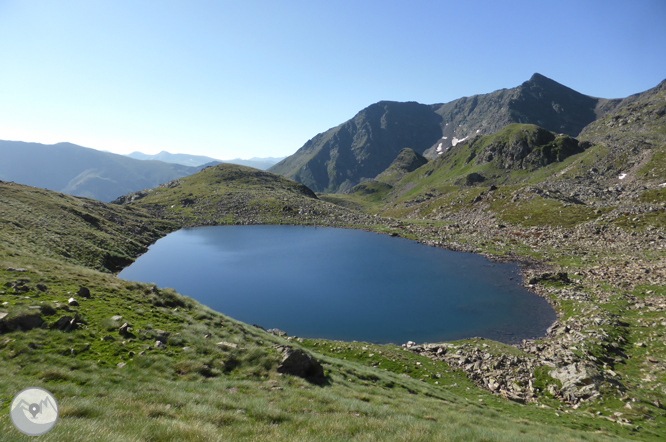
x,y
211,392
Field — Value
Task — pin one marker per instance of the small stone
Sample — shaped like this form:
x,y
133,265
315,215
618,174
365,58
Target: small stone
x,y
159,344
121,364
107,338
224,344
277,332
84,292
116,318
41,287
72,302
124,329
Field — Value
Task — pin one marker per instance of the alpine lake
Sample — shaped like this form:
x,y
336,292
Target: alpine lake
x,y
342,284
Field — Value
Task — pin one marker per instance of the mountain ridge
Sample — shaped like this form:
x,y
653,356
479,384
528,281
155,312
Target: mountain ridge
x,y
364,146
82,171
201,160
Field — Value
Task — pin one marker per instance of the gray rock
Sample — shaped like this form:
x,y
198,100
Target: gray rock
x,y
26,321
124,329
578,379
277,332
64,323
72,302
474,178
116,318
12,269
298,363
159,344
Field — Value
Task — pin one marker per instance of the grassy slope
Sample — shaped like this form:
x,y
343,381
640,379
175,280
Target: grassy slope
x,y
231,194
433,204
213,392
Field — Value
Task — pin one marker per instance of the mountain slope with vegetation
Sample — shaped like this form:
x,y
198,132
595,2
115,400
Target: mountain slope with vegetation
x,y
364,146
194,374
81,171
361,148
591,241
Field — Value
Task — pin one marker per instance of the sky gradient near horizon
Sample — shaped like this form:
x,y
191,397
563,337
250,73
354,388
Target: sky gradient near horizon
x,y
231,79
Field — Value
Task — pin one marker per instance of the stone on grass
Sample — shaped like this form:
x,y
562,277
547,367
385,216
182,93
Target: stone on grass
x,y
84,292
296,362
72,302
64,323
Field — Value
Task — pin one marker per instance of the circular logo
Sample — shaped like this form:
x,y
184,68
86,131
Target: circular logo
x,y
34,411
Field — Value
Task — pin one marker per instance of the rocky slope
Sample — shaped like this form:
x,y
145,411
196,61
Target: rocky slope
x,y
364,146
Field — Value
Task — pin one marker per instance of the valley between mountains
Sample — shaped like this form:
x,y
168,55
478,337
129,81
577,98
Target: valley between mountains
x,y
573,187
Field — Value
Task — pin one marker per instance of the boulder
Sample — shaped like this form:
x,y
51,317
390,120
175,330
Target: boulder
x,y
26,320
72,302
296,362
578,380
276,332
83,292
64,323
41,287
474,178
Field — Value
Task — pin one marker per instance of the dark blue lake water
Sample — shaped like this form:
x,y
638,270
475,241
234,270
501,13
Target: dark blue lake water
x,y
344,284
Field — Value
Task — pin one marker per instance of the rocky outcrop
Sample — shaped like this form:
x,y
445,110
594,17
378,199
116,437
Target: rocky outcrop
x,y
22,320
296,362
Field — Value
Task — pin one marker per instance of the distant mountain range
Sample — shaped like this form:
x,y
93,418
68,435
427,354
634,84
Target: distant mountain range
x,y
363,147
81,171
199,160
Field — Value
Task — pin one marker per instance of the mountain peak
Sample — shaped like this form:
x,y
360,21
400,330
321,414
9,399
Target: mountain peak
x,y
542,80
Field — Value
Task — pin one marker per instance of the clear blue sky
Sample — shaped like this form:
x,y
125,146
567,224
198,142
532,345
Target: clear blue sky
x,y
259,78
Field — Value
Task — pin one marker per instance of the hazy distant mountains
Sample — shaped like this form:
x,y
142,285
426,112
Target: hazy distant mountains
x,y
363,147
81,171
199,160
